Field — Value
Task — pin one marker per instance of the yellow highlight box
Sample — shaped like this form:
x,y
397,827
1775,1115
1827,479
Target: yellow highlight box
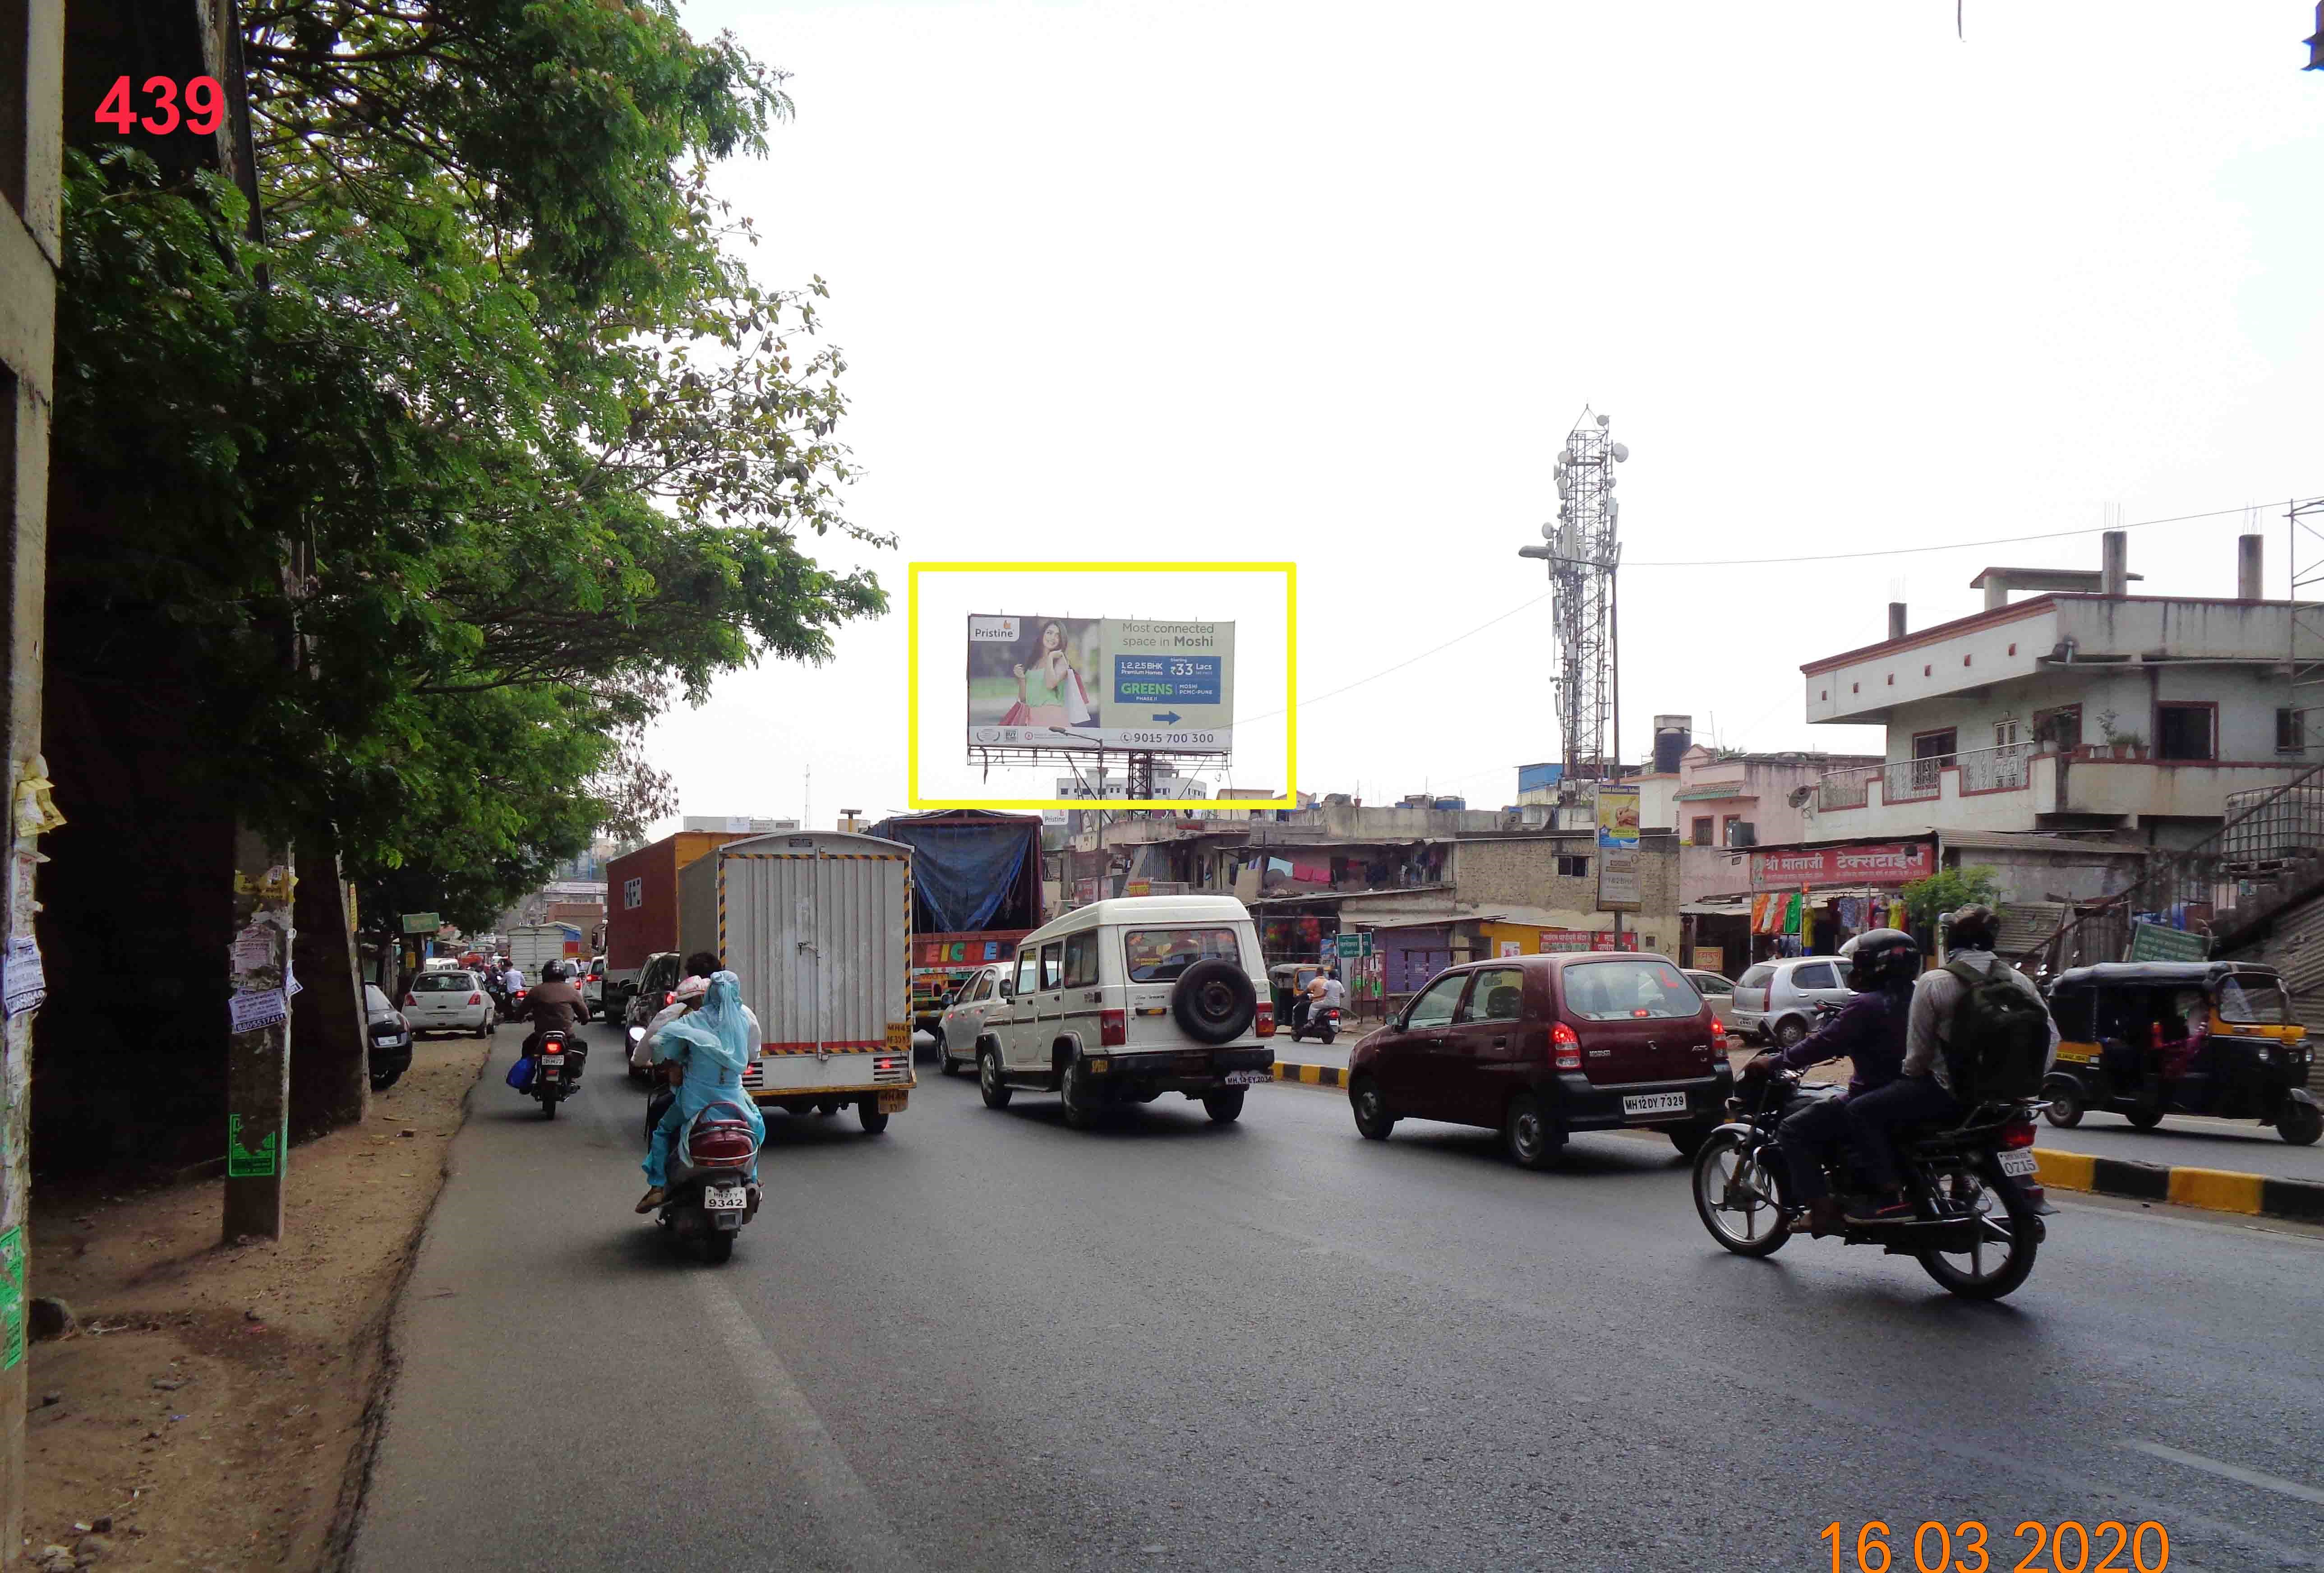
x,y
1290,571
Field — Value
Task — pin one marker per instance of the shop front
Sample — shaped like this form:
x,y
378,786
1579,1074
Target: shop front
x,y
1810,900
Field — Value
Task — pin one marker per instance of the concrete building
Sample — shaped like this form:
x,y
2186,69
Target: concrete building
x,y
2093,712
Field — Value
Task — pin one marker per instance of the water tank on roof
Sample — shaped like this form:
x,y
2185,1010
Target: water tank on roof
x,y
1673,735
1453,803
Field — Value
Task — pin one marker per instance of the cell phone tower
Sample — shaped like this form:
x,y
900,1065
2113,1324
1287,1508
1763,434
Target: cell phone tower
x,y
1583,551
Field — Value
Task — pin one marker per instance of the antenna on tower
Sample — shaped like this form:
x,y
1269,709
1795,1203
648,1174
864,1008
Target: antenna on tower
x,y
1584,550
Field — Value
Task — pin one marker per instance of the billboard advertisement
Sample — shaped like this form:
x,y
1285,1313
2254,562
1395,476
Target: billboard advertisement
x,y
1091,682
1618,884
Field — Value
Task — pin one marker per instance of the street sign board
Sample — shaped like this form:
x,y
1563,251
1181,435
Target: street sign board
x,y
1086,682
421,922
1354,946
2155,942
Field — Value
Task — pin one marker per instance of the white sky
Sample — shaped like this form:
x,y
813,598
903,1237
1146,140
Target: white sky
x,y
1330,282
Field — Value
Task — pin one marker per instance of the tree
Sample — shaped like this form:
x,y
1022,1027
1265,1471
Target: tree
x,y
492,423
1949,889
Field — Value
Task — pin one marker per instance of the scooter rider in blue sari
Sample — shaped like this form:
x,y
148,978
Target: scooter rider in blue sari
x,y
712,1047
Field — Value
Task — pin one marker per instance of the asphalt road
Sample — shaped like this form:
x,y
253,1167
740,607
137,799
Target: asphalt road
x,y
983,1340
2242,1146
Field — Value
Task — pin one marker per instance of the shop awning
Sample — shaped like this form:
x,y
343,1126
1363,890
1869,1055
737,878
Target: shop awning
x,y
1715,795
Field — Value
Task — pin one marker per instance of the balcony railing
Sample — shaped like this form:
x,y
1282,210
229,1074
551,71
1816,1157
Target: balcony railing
x,y
1998,770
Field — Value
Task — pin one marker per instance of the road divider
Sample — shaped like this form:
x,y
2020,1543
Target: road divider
x,y
1310,1075
2218,1189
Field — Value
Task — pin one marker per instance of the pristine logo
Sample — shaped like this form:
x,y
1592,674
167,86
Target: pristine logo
x,y
992,631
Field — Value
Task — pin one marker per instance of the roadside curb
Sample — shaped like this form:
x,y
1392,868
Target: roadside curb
x,y
2218,1189
1310,1075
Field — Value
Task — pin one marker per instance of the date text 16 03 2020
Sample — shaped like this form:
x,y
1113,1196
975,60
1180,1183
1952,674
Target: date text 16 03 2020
x,y
2072,1547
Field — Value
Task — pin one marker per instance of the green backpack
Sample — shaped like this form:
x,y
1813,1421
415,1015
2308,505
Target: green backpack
x,y
1998,1043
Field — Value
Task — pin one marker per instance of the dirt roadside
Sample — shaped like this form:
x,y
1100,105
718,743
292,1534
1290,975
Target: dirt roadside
x,y
213,1403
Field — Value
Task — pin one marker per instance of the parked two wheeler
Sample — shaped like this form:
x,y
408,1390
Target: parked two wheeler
x,y
1977,1208
709,1196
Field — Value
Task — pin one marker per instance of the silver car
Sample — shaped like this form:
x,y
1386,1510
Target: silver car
x,y
1718,991
963,1022
1775,1001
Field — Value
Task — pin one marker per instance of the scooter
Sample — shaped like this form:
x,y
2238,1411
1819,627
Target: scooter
x,y
709,1195
562,1059
1323,1020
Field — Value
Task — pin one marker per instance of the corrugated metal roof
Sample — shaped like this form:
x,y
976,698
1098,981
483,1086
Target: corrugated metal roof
x,y
2026,923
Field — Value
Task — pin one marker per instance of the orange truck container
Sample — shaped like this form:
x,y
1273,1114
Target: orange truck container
x,y
642,903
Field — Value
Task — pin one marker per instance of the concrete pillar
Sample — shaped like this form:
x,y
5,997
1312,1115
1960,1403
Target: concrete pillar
x,y
2249,585
1896,619
1997,591
2114,562
31,163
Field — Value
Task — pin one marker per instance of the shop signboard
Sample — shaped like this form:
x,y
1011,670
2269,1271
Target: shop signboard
x,y
1354,944
1711,959
2155,942
1580,941
1619,883
1796,868
1086,682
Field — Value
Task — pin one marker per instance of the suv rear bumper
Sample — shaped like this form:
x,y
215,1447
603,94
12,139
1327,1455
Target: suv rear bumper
x,y
1584,1104
1178,1070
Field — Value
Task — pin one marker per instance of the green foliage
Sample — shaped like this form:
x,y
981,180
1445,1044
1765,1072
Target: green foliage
x,y
1948,889
491,432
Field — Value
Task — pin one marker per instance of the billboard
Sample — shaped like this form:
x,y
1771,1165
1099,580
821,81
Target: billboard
x,y
1792,868
1618,885
1090,682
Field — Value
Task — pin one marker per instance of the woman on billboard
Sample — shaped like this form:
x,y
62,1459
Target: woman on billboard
x,y
1049,690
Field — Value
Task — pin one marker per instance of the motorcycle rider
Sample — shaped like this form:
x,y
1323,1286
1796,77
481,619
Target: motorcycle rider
x,y
1871,1032
556,1006
686,996
710,1047
1335,991
509,979
1925,1089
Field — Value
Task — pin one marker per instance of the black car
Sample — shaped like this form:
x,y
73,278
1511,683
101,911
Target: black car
x,y
657,981
390,1038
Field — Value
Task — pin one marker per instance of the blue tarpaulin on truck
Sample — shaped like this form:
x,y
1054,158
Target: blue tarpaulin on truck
x,y
972,870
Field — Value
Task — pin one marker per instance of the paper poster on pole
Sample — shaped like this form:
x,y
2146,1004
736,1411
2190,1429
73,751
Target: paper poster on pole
x,y
1619,887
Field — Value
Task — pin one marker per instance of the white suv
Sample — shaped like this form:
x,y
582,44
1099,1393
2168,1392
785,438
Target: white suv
x,y
1122,1001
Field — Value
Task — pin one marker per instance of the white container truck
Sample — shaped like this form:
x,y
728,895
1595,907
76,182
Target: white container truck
x,y
817,926
533,945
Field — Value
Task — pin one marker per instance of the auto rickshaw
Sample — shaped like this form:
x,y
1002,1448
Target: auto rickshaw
x,y
2144,1039
1286,982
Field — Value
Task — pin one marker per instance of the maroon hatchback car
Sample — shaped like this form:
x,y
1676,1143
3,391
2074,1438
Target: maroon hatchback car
x,y
1538,1047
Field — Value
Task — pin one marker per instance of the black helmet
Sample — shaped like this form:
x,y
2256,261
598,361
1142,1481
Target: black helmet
x,y
1974,927
556,973
1881,956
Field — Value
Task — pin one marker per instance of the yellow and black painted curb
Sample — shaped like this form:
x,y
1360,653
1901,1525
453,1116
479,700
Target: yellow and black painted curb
x,y
2220,1189
1310,1075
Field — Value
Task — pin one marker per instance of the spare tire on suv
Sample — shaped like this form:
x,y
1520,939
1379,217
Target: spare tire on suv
x,y
1213,1001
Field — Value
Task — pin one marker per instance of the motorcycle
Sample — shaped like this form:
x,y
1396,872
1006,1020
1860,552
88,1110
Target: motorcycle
x,y
1977,1223
561,1059
709,1195
1323,1020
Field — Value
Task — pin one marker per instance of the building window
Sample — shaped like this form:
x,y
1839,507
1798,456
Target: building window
x,y
633,893
1573,867
1727,831
2061,729
2290,732
2184,732
1701,836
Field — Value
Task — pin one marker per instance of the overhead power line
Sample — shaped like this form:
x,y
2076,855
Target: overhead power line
x,y
2009,541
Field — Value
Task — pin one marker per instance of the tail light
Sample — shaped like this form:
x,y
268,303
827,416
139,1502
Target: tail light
x,y
2017,1132
412,1001
1565,1048
475,999
1265,1026
1718,1038
670,998
1112,1029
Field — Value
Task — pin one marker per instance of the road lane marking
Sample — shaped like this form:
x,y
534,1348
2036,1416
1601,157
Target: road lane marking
x,y
850,1514
2227,1471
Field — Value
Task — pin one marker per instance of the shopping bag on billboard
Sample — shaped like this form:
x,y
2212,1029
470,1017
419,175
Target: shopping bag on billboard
x,y
1017,715
1077,709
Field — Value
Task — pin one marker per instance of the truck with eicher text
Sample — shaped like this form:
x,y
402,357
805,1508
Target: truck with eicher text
x,y
533,945
641,904
817,926
976,891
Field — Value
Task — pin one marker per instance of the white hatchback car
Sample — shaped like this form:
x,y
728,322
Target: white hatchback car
x,y
962,1021
441,1002
1120,1002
